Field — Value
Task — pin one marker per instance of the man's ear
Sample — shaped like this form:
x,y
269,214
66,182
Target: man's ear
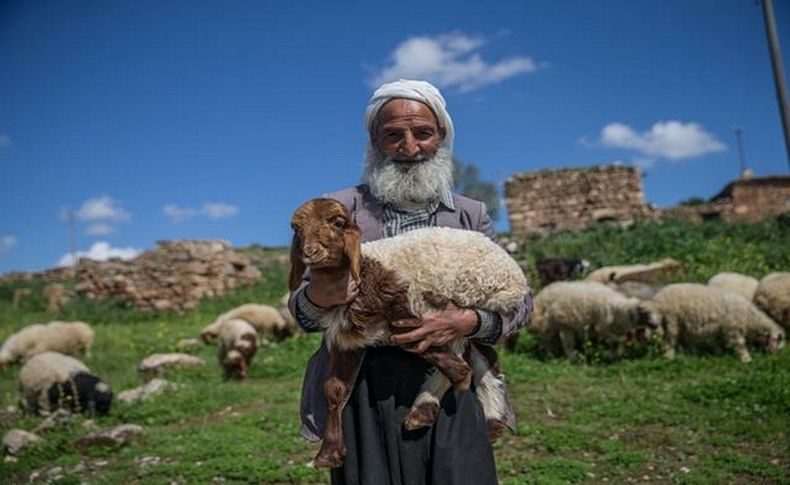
x,y
297,265
442,133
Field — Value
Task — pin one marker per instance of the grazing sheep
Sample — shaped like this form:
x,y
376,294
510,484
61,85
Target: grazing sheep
x,y
56,296
693,313
559,269
635,272
773,297
237,345
739,283
51,380
401,277
63,337
267,321
569,313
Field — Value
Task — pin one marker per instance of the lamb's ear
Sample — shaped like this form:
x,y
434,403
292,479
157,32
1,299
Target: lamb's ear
x,y
353,250
297,265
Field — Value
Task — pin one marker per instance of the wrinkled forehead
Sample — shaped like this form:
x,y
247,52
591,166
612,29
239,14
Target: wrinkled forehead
x,y
318,210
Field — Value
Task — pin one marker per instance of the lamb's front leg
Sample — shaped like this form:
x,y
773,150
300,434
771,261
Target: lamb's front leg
x,y
490,388
337,390
425,409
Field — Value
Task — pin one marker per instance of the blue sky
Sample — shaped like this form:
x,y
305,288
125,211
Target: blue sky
x,y
155,120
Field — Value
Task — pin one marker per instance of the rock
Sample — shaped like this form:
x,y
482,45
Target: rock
x,y
156,364
55,419
16,440
115,436
141,393
189,345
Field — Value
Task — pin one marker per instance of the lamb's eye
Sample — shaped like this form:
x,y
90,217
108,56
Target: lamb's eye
x,y
338,222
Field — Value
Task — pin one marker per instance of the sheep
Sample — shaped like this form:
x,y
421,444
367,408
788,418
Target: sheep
x,y
266,320
742,284
402,277
51,380
571,312
63,337
692,312
773,297
559,269
237,345
635,272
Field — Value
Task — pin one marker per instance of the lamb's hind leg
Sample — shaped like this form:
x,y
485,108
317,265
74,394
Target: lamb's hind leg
x,y
337,390
491,393
451,365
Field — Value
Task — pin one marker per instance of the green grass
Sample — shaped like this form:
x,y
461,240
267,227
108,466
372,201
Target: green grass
x,y
697,419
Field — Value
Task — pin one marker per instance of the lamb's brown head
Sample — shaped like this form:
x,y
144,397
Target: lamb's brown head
x,y
325,237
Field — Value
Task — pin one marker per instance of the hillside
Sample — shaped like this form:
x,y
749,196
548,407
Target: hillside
x,y
697,419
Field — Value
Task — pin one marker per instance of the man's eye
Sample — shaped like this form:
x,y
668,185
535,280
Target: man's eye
x,y
339,222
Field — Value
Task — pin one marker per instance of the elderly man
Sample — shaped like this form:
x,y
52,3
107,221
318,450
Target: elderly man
x,y
407,185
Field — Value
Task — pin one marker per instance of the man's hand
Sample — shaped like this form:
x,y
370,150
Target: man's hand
x,y
329,293
435,328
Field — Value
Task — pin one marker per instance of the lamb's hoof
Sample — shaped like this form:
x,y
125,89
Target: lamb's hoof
x,y
329,457
494,429
421,416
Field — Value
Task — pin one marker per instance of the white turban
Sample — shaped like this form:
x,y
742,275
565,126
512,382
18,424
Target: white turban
x,y
421,91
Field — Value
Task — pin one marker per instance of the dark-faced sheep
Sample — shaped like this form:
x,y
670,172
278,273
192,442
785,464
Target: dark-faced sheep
x,y
51,380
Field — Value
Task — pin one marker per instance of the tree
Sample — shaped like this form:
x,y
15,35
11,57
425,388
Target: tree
x,y
466,181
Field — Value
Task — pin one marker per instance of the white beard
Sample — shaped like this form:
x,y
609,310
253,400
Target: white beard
x,y
408,186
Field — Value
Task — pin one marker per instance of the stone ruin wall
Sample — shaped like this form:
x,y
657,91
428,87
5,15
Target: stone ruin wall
x,y
571,199
174,276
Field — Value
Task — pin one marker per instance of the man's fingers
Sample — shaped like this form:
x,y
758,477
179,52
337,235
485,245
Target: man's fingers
x,y
423,346
409,322
408,337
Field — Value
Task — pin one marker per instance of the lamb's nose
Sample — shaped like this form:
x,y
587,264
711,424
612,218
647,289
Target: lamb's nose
x,y
310,250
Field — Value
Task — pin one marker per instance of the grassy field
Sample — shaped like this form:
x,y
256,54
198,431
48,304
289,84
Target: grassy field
x,y
697,419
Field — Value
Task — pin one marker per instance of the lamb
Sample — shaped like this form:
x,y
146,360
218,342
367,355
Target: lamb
x,y
402,277
266,320
572,312
739,283
237,345
51,380
690,312
64,337
773,297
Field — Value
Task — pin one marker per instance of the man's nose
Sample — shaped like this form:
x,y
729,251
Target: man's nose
x,y
409,146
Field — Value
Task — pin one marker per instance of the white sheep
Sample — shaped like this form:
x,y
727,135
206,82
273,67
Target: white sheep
x,y
739,283
64,337
635,272
267,321
51,380
237,345
569,313
773,297
691,313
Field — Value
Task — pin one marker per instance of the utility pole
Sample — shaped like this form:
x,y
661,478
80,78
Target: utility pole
x,y
738,132
72,238
779,78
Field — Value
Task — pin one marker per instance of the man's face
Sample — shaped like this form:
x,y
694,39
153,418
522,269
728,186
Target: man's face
x,y
406,131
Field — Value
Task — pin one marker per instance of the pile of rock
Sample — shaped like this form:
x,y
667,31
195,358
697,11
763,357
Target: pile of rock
x,y
174,276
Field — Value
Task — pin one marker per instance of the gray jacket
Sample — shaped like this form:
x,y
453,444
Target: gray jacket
x,y
367,212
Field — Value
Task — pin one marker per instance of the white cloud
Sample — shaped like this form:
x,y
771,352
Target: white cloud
x,y
210,210
5,140
103,208
674,140
100,229
100,251
7,243
449,60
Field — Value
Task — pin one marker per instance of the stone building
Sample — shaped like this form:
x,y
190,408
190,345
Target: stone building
x,y
546,201
747,199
